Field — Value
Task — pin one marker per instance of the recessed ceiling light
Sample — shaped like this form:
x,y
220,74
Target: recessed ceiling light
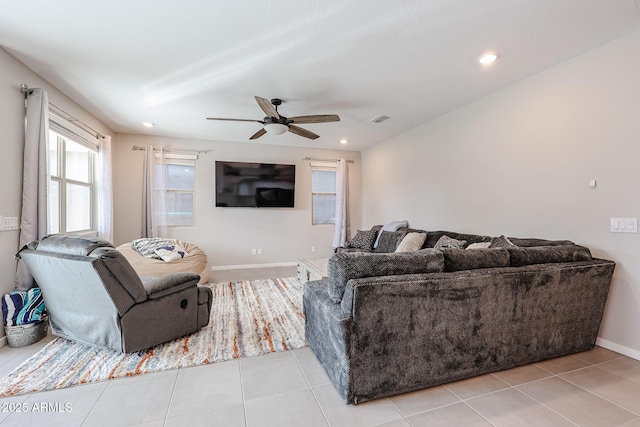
x,y
488,58
148,124
343,141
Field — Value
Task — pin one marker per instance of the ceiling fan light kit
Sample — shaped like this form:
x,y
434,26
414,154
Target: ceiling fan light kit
x,y
276,128
276,124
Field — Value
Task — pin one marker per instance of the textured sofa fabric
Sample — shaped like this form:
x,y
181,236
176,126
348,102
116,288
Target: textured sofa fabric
x,y
457,259
480,311
345,266
95,297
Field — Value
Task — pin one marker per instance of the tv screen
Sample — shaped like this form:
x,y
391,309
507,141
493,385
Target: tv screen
x,y
255,185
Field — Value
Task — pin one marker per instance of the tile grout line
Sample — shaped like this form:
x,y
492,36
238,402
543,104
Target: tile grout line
x,y
477,412
545,406
602,397
173,391
95,403
244,403
295,356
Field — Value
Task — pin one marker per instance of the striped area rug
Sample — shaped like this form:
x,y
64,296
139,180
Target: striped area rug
x,y
248,318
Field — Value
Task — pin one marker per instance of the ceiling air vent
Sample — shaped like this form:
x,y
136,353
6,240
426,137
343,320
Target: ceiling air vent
x,y
379,119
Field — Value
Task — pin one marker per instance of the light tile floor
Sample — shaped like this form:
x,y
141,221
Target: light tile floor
x,y
594,388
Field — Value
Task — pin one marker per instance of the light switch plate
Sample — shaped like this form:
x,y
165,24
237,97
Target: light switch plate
x,y
623,225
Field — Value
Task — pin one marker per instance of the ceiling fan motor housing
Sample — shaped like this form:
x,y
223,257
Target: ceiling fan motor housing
x,y
282,120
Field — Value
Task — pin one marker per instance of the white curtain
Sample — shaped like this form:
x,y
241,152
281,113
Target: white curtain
x,y
342,232
35,179
105,189
154,212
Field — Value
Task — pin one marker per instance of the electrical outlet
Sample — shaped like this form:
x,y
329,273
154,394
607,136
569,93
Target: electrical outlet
x,y
259,251
313,248
253,251
8,223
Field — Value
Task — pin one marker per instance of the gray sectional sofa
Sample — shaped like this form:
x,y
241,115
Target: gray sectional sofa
x,y
389,323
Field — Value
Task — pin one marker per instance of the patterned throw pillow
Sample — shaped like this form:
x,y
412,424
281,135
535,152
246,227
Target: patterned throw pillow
x,y
502,243
449,243
363,239
147,246
411,242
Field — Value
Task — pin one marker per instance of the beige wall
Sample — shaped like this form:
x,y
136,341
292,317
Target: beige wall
x,y
12,74
519,161
227,235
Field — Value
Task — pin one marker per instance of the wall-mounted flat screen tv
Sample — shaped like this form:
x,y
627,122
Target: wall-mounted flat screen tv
x,y
255,185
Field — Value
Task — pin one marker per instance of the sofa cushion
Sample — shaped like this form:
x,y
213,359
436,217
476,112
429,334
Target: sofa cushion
x,y
501,242
389,241
528,242
411,242
345,266
548,254
434,236
449,243
363,239
457,260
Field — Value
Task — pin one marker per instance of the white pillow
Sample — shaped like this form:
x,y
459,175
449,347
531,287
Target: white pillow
x,y
411,242
481,245
170,253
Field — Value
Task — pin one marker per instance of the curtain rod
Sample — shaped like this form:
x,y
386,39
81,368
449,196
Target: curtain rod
x,y
26,91
138,148
326,160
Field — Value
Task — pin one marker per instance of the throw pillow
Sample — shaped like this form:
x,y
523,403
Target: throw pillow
x,y
170,253
446,242
388,241
412,242
363,239
391,226
479,245
502,243
147,246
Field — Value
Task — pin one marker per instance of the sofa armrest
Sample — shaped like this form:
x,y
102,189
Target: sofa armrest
x,y
169,284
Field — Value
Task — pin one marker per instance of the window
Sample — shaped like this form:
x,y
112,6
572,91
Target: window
x,y
323,193
71,186
179,173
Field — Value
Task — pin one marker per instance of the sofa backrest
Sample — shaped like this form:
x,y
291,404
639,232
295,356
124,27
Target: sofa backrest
x,y
547,254
344,266
434,236
473,259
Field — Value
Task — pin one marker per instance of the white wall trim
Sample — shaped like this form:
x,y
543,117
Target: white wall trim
x,y
634,354
236,267
3,341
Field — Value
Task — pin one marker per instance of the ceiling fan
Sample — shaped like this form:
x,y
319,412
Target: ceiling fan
x,y
277,124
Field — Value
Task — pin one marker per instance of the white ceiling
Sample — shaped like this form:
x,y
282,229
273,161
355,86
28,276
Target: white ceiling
x,y
175,63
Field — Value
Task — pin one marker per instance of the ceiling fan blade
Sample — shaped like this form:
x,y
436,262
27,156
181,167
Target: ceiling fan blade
x,y
303,132
235,120
267,107
318,118
258,134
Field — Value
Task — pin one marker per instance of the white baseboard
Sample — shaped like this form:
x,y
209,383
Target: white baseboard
x,y
237,267
634,354
3,341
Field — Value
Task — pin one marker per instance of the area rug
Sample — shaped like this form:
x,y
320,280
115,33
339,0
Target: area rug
x,y
248,318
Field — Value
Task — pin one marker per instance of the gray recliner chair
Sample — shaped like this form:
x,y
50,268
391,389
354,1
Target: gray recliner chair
x,y
94,296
